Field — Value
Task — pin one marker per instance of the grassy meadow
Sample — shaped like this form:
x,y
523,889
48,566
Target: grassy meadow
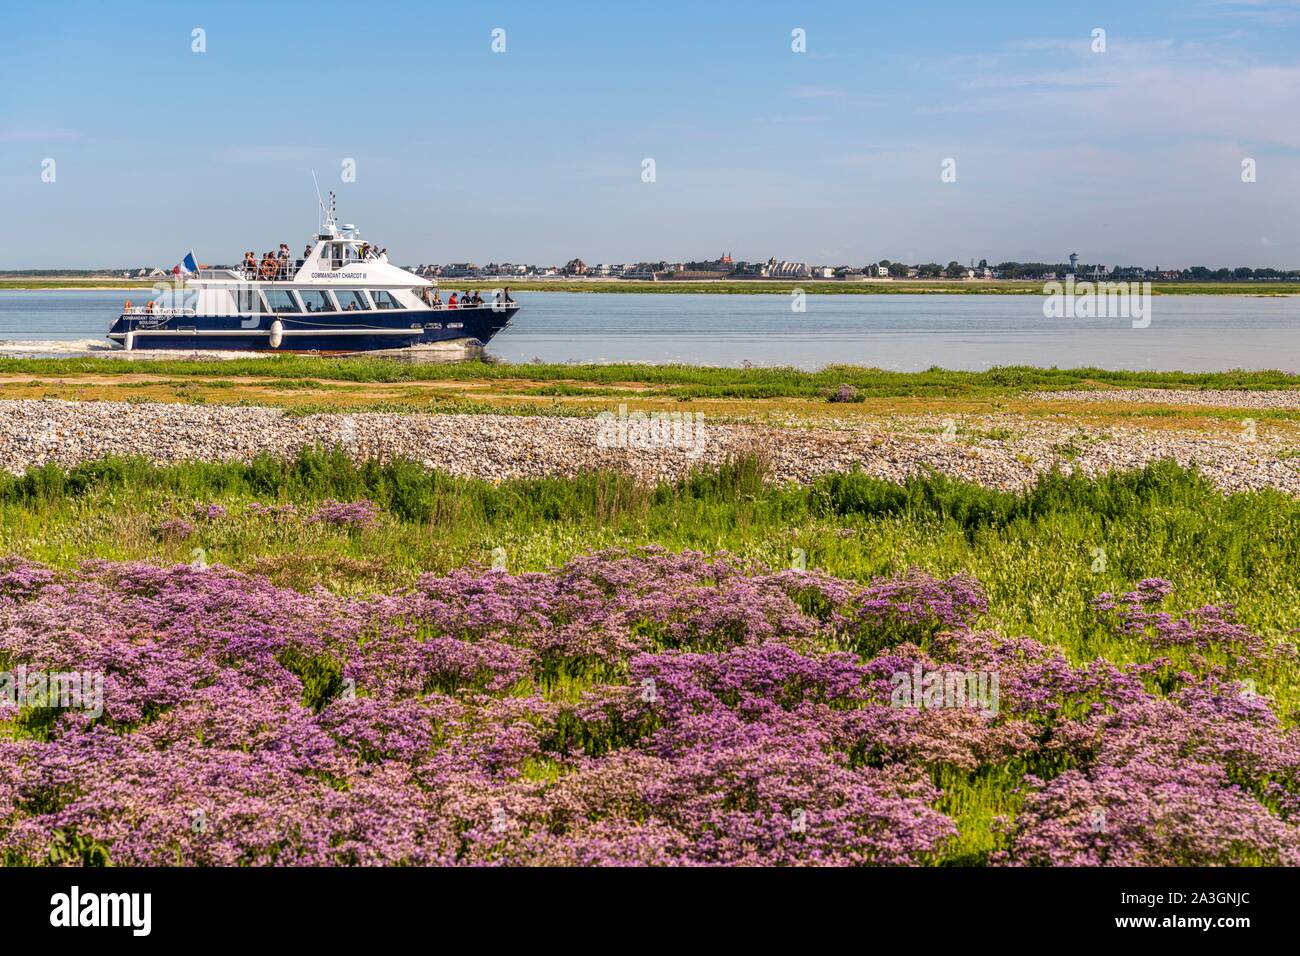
x,y
773,396
672,381
1041,555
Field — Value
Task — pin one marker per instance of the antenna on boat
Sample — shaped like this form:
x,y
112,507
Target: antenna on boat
x,y
319,202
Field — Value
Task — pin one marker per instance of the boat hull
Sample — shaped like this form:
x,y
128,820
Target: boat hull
x,y
336,332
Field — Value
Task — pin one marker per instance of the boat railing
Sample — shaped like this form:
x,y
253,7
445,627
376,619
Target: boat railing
x,y
281,270
284,270
497,306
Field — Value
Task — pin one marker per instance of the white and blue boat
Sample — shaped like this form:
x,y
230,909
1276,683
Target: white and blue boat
x,y
342,296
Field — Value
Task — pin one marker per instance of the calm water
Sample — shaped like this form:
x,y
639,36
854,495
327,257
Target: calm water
x,y
904,332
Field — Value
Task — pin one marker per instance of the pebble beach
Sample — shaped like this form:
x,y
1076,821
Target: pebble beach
x,y
1001,451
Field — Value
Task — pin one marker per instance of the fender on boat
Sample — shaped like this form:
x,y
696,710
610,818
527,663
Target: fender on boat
x,y
277,333
128,341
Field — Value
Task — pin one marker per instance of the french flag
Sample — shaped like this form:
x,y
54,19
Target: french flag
x,y
187,265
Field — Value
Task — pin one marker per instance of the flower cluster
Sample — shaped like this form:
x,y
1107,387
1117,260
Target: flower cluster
x,y
1208,628
626,709
346,514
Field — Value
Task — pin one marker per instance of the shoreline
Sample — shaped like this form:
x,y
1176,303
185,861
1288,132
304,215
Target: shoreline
x,y
730,287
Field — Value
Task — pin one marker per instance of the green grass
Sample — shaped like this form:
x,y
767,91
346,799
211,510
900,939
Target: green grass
x,y
1035,552
681,381
39,285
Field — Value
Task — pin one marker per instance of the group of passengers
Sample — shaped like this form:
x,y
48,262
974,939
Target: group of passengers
x,y
271,265
464,300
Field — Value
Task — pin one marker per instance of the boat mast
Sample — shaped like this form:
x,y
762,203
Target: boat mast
x,y
320,211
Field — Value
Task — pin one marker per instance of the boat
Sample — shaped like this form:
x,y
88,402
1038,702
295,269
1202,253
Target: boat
x,y
342,296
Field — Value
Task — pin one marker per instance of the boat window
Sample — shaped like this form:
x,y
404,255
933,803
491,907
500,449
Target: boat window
x,y
385,300
281,300
343,253
315,300
248,300
350,300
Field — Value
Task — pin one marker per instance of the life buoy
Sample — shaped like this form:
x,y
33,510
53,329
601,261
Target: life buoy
x,y
126,306
269,268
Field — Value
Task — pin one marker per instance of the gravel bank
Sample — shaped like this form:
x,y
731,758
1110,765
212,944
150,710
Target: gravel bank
x,y
1209,398
1002,451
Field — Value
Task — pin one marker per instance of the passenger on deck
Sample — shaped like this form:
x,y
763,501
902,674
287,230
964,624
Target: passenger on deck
x,y
509,301
306,253
451,303
250,262
437,299
269,266
478,299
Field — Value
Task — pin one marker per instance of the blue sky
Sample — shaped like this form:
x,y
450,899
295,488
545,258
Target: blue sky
x,y
535,154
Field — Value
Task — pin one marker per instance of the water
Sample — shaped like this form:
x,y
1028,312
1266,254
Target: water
x,y
903,332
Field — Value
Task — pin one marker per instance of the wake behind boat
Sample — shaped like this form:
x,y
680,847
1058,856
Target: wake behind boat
x,y
342,296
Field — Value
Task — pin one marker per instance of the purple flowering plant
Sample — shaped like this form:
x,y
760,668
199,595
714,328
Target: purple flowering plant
x,y
627,708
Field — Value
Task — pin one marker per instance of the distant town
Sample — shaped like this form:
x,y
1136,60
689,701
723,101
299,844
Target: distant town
x,y
724,267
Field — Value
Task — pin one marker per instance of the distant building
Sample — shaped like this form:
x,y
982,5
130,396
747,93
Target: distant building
x,y
460,270
785,270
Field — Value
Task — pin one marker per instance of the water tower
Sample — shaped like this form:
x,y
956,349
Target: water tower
x,y
1074,262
